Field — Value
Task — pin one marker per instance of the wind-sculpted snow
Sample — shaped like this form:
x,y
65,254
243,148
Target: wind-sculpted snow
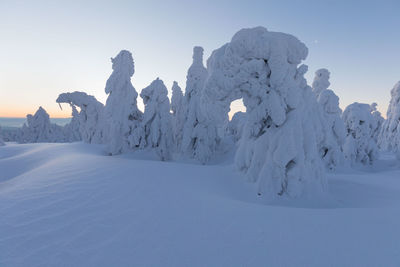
x,y
39,129
360,146
331,148
196,134
157,119
89,121
389,138
178,109
123,118
278,148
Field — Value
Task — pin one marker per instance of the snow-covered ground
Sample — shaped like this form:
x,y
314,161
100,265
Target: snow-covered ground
x,y
71,205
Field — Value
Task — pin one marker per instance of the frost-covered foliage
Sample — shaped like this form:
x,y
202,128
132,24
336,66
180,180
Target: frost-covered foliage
x,y
360,145
39,129
278,148
157,119
178,114
196,133
123,118
378,122
389,138
331,148
321,81
236,124
89,121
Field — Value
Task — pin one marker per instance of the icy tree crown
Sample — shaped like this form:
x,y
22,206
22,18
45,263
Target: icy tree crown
x,y
123,67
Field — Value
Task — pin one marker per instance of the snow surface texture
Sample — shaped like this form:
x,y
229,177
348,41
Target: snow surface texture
x,y
178,109
40,130
90,120
69,205
278,148
196,134
123,118
360,146
157,119
389,138
331,149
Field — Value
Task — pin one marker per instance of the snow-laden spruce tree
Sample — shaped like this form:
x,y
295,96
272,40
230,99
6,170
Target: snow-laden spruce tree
x,y
157,119
236,124
195,134
39,129
360,146
278,148
178,114
71,129
377,123
89,121
321,81
389,138
331,148
123,118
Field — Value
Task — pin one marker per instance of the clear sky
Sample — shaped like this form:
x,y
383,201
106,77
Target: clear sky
x,y
50,47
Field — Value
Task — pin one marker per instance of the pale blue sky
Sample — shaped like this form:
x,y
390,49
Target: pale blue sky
x,y
50,47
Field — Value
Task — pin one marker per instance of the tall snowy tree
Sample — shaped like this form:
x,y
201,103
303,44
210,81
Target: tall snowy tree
x,y
389,138
194,133
157,119
39,129
360,146
179,113
90,120
331,148
123,118
278,148
378,122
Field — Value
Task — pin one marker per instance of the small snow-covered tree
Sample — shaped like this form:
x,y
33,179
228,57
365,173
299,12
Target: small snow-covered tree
x,y
195,134
377,122
71,129
89,121
236,124
331,147
278,148
39,129
157,119
123,118
179,113
389,138
321,81
360,145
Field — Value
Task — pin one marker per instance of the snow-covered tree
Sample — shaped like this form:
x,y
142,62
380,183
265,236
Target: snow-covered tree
x,y
321,81
278,148
377,123
179,113
194,133
389,138
331,147
89,121
123,118
157,119
39,129
236,124
71,129
360,145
